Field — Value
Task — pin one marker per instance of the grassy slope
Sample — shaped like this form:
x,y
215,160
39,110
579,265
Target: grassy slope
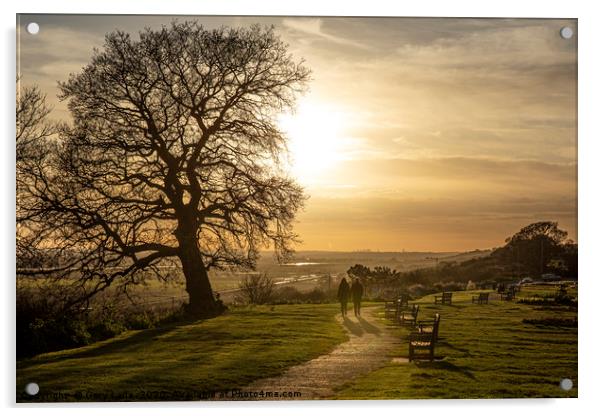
x,y
219,354
488,353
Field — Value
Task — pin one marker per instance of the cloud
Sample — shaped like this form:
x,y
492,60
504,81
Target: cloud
x,y
313,27
51,55
501,89
455,177
457,131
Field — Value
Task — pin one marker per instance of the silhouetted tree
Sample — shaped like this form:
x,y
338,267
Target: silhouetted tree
x,y
534,247
384,275
361,271
174,153
570,259
33,134
543,229
33,126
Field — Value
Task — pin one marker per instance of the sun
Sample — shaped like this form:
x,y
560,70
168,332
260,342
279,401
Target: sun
x,y
315,133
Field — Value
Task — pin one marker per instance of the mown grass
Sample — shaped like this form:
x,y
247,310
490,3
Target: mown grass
x,y
185,361
544,291
485,351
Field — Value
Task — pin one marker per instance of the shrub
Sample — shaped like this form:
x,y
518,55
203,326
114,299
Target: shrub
x,y
315,296
486,284
43,326
105,330
287,294
449,286
419,290
256,289
142,320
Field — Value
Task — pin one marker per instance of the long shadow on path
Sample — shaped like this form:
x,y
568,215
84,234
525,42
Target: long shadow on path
x,y
368,327
354,327
366,350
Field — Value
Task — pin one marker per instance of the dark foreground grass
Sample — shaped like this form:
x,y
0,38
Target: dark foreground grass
x,y
185,361
486,351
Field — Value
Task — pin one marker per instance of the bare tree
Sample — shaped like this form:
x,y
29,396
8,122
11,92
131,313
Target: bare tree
x,y
175,153
33,132
33,126
256,289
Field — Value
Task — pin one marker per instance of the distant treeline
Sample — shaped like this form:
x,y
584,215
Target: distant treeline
x,y
537,249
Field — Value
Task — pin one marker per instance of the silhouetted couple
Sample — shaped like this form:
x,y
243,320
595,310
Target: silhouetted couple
x,y
356,291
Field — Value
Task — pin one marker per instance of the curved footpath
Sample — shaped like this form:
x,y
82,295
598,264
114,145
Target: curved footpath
x,y
367,349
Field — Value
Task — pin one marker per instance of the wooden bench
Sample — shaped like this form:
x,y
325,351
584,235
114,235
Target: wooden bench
x,y
391,308
422,344
403,300
408,316
394,307
481,299
445,297
509,294
427,327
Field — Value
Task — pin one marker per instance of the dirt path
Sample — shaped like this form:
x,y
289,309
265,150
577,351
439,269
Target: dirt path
x,y
367,349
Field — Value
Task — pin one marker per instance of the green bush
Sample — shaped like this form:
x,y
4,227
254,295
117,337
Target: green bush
x,y
449,286
43,326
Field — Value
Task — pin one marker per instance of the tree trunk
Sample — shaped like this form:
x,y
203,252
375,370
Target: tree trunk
x,y
201,302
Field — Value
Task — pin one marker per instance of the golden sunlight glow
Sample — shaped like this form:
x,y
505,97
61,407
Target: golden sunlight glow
x,y
408,134
316,140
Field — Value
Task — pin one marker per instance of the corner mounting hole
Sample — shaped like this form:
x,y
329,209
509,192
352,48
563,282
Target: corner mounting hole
x,y
566,32
32,28
32,389
566,384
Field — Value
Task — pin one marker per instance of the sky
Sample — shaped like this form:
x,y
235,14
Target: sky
x,y
416,134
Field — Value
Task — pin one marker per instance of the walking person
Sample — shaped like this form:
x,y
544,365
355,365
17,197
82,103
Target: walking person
x,y
357,291
343,295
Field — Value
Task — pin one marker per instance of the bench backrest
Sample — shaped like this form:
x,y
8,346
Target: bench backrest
x,y
436,326
421,336
403,300
447,295
428,336
484,296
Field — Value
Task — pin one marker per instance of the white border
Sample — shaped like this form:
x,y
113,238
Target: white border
x,y
590,175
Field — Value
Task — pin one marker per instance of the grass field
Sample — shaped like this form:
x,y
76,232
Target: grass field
x,y
487,352
543,291
185,361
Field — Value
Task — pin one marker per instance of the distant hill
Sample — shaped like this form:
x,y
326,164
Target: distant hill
x,y
469,255
337,261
